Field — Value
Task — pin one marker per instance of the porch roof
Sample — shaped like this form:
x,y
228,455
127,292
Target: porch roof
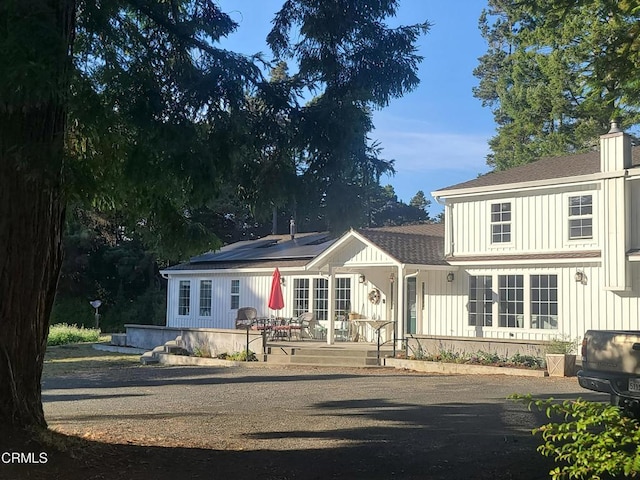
x,y
413,244
421,244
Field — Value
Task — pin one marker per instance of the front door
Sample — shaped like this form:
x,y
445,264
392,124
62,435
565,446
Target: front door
x,y
412,311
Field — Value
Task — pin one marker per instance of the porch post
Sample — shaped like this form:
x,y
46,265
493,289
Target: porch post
x,y
400,307
331,307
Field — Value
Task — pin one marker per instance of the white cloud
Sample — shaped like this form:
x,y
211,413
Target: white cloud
x,y
427,156
420,151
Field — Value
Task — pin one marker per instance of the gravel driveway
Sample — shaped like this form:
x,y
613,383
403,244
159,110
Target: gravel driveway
x,y
311,423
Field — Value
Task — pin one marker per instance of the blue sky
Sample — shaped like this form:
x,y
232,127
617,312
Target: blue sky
x,y
438,133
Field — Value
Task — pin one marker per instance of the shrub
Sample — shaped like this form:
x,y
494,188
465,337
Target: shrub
x,y
239,356
447,355
562,345
595,440
62,334
202,350
528,361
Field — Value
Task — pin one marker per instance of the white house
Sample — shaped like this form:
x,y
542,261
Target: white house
x,y
532,253
546,249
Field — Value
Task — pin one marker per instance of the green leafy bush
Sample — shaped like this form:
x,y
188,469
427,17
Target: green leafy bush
x,y
202,350
595,440
62,334
562,345
239,356
447,355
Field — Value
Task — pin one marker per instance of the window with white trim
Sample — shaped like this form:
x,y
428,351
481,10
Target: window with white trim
x,y
511,301
321,298
580,217
501,222
235,294
205,298
184,297
480,301
343,296
544,301
300,296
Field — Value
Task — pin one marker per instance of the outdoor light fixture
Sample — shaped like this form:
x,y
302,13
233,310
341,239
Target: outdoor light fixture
x,y
96,304
392,277
282,282
580,277
450,277
362,278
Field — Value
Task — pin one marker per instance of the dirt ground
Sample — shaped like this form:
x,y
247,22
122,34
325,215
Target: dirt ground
x,y
116,418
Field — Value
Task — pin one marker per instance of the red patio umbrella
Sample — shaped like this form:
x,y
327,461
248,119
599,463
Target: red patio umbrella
x,y
276,301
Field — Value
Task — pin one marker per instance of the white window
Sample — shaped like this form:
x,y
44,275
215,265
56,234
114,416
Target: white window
x,y
501,222
544,301
580,217
184,297
205,298
321,298
480,301
343,296
511,301
235,294
300,296
522,301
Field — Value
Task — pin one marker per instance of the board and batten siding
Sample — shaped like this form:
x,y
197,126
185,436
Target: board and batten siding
x,y
539,222
580,307
251,294
357,253
254,292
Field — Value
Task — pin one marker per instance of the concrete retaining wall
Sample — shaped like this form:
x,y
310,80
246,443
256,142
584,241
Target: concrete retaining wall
x,y
214,340
460,369
506,348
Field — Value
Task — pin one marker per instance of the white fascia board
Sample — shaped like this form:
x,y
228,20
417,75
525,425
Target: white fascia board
x,y
418,266
534,185
329,251
547,261
351,234
269,270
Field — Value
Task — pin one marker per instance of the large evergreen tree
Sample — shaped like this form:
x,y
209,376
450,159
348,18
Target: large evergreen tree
x,y
555,74
131,105
352,62
123,104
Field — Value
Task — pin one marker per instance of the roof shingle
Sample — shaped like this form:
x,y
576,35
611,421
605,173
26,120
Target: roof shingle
x,y
414,244
546,168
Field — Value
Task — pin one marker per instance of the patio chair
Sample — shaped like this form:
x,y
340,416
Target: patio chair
x,y
245,317
302,325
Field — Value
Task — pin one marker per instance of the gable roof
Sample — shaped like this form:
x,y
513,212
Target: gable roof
x,y
546,168
421,244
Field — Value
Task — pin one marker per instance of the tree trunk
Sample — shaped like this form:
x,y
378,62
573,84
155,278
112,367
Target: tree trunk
x,y
36,56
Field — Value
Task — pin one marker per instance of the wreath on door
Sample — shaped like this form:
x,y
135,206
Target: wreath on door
x,y
374,296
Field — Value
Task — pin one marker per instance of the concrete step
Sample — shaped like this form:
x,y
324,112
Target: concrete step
x,y
325,352
344,361
324,356
148,358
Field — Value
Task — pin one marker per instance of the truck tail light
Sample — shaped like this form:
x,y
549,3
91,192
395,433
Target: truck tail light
x,y
584,350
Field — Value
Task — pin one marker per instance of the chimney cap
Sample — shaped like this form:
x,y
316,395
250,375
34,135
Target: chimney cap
x,y
615,126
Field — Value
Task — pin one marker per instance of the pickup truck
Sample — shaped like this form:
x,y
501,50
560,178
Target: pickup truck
x,y
611,364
